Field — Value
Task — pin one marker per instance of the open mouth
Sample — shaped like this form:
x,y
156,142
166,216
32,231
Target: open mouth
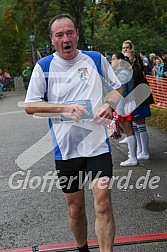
x,y
67,47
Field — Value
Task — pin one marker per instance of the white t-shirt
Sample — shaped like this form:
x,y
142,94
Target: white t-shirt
x,y
87,77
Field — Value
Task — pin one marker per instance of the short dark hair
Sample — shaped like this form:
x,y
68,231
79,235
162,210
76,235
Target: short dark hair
x,y
61,16
119,55
107,52
143,52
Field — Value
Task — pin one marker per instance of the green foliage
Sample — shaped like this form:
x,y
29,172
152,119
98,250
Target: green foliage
x,y
103,25
11,49
144,38
3,5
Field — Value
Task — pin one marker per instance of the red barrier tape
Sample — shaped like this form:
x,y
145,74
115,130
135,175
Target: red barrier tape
x,y
159,90
119,240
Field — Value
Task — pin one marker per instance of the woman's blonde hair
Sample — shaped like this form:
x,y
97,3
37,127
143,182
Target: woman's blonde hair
x,y
159,58
130,44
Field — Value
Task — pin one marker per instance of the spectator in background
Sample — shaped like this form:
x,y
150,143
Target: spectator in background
x,y
127,45
158,72
147,68
7,77
142,111
158,68
1,82
1,76
26,77
121,67
152,59
164,58
144,57
124,75
107,55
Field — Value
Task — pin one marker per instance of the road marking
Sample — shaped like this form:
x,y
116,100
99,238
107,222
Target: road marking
x,y
12,112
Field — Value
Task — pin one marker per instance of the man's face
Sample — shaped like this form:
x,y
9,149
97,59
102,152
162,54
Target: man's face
x,y
115,62
65,38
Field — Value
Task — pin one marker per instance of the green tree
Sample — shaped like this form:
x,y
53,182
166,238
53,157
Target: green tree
x,y
11,48
103,24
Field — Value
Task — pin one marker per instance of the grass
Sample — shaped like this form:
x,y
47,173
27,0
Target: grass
x,y
158,119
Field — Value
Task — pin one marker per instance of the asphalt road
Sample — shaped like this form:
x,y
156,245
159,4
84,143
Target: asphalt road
x,y
35,213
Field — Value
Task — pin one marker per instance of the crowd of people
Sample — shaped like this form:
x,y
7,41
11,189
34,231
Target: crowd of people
x,y
6,78
153,64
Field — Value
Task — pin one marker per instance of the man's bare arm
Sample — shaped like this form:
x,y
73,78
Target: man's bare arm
x,y
45,109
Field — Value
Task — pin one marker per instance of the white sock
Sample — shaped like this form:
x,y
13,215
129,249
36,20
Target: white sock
x,y
137,135
143,138
132,146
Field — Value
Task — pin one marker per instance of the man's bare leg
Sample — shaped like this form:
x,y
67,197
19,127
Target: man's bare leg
x,y
104,224
77,216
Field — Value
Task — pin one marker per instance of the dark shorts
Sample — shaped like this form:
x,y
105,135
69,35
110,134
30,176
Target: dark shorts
x,y
142,111
72,172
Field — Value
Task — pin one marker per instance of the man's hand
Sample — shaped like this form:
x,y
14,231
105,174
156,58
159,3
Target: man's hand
x,y
103,115
74,111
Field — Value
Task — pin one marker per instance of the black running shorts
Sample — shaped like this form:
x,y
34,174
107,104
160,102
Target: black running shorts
x,y
72,172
